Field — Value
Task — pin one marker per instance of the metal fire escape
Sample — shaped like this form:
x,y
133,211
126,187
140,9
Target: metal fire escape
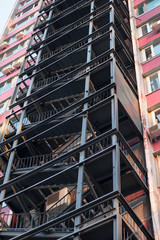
x,y
75,125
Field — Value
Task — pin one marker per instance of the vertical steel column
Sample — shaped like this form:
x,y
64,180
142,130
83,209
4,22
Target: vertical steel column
x,y
117,223
84,127
12,155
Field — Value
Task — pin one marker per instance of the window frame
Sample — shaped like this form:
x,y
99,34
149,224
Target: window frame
x,y
149,89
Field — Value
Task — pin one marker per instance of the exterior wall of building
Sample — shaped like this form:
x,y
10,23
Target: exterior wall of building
x,y
123,103
21,20
145,16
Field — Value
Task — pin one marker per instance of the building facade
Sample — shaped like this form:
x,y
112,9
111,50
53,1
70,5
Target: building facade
x,y
13,45
145,16
73,158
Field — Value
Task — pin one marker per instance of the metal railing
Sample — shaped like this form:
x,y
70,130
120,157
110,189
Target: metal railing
x,y
37,37
42,18
95,212
68,49
133,226
132,159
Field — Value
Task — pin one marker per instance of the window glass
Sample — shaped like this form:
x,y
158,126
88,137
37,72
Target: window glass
x,y
7,86
1,108
11,52
12,39
148,53
27,9
1,74
154,81
156,48
1,88
141,10
150,24
157,115
152,4
144,30
27,30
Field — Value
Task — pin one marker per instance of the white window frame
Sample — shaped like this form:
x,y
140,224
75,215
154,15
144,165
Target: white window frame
x,y
149,90
5,106
152,51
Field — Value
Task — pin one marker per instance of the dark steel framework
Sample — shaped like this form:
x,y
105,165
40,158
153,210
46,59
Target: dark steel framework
x,y
75,123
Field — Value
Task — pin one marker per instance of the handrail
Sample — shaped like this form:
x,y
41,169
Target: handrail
x,y
88,211
66,11
78,23
71,27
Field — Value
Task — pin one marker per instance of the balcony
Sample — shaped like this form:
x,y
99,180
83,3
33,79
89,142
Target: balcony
x,y
98,213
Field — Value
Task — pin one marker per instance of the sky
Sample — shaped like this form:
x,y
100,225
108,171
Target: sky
x,y
6,7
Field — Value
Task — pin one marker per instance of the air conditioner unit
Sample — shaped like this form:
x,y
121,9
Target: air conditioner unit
x,y
156,26
58,200
18,63
20,35
154,131
8,69
3,46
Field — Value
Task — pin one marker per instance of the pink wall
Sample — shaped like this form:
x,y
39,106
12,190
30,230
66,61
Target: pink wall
x,y
137,2
13,57
148,38
6,94
153,98
20,28
25,15
151,64
27,5
156,146
146,16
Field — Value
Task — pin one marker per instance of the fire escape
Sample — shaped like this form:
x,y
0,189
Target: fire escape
x,y
71,149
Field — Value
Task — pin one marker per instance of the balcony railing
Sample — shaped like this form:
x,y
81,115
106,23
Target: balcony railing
x,y
43,17
91,150
56,34
66,50
97,211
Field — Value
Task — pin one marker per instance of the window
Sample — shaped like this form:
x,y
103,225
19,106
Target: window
x,y
152,51
156,48
147,6
144,30
20,23
27,9
154,82
5,86
1,74
10,52
1,88
15,49
148,53
12,39
148,27
152,4
3,106
157,116
141,10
